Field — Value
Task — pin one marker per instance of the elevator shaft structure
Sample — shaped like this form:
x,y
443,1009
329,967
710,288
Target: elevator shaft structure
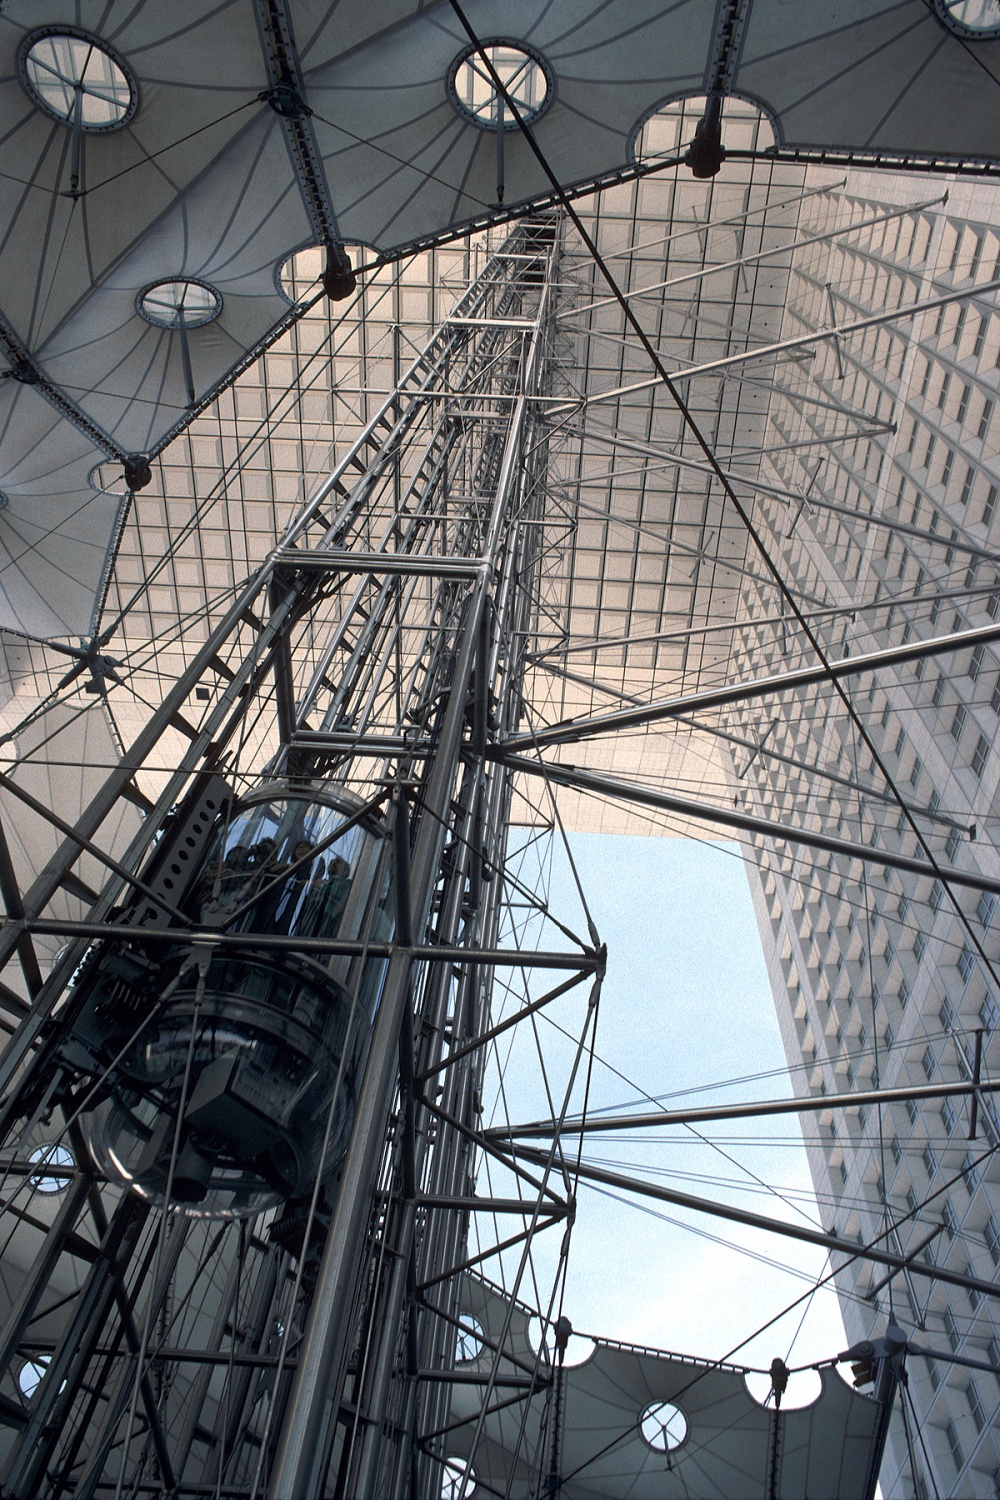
x,y
240,1114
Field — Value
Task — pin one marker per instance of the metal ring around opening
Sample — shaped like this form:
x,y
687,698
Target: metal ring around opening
x,y
179,300
77,78
524,72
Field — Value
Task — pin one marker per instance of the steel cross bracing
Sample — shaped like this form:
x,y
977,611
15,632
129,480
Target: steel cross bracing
x,y
309,1349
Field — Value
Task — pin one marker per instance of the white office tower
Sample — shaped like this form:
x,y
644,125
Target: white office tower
x,y
878,504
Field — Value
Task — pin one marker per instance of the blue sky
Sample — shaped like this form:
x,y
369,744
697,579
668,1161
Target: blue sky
x,y
686,1004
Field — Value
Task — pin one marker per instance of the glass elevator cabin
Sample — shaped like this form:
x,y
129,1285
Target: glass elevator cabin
x,y
225,1067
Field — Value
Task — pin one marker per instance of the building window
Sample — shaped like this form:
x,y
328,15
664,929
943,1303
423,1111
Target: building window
x,y
989,1015
967,483
948,1116
986,910
930,1161
973,1293
936,896
929,1064
896,1149
980,339
991,1234
958,722
946,467
919,947
976,662
966,963
952,844
980,754
975,1406
963,403
984,420
971,1172
950,1222
904,993
951,1329
990,506
993,1355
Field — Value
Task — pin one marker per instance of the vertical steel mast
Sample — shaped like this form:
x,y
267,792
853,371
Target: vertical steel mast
x,y
240,1115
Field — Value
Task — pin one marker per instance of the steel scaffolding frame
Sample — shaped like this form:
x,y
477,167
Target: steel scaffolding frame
x,y
380,647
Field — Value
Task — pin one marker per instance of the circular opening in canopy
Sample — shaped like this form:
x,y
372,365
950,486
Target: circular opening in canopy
x,y
469,1339
664,1426
457,1470
299,275
523,72
168,304
29,1376
75,78
107,479
972,18
668,131
51,1156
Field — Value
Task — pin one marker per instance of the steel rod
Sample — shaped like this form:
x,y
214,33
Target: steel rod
x,y
574,730
754,1110
629,791
835,1242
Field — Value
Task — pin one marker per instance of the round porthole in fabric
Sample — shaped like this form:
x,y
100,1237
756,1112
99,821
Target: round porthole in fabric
x,y
168,304
664,1426
523,72
970,18
459,1479
50,1156
75,77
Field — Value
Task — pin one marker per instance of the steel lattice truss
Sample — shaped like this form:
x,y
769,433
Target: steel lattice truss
x,y
579,605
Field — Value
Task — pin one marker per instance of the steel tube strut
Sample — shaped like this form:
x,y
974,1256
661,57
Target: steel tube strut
x,y
782,346
755,1110
818,1237
750,260
316,1393
665,459
685,807
742,692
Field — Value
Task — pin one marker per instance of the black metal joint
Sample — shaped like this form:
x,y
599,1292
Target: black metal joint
x,y
138,471
339,280
706,152
286,101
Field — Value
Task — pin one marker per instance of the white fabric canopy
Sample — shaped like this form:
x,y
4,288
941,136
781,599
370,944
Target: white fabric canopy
x,y
825,1451
206,180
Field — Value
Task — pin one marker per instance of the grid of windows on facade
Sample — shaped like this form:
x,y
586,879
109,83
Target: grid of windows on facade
x,y
879,501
